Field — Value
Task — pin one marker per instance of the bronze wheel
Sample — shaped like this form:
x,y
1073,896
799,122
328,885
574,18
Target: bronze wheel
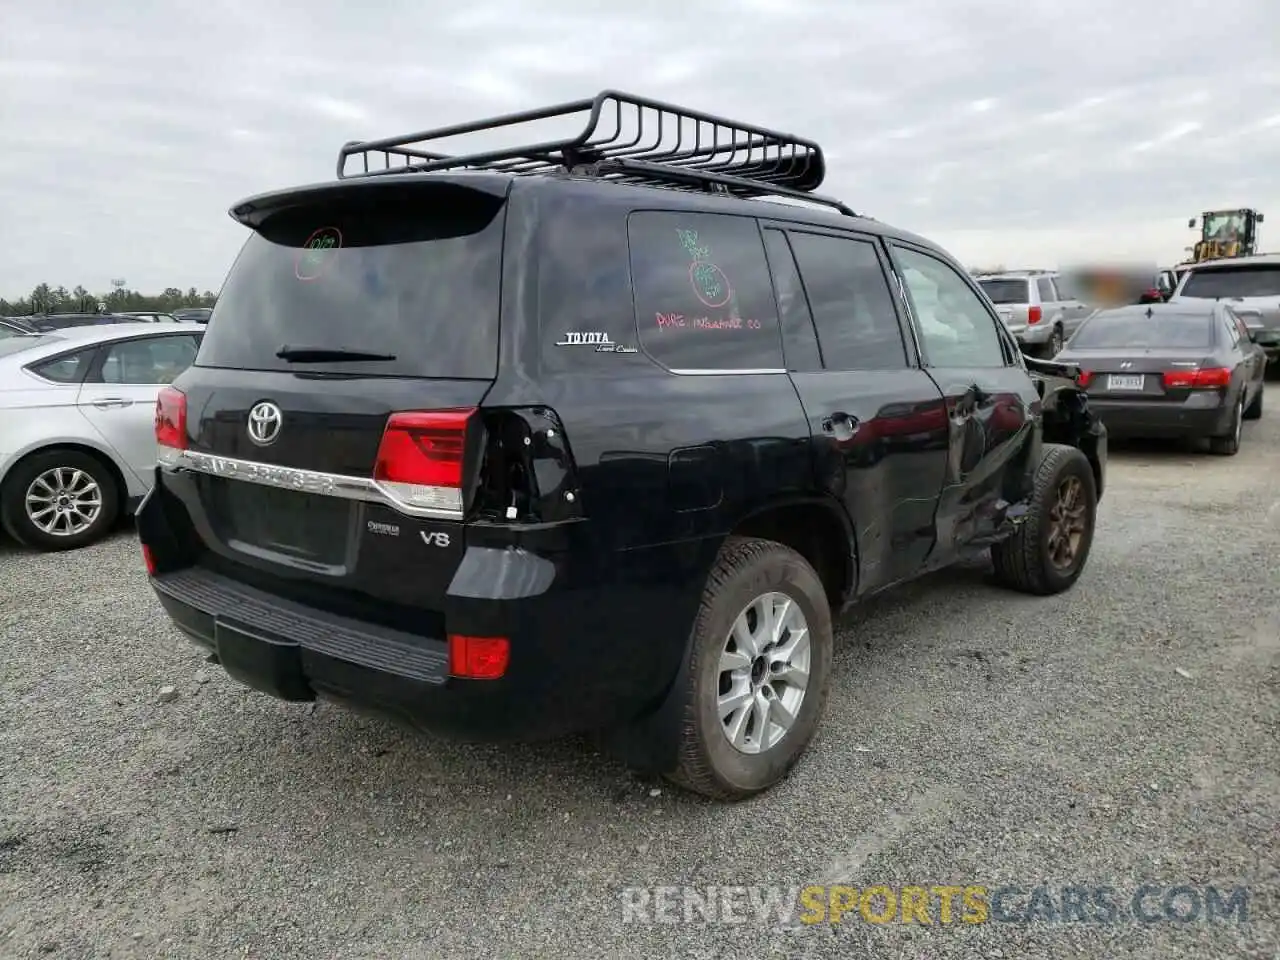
x,y
1067,523
1048,551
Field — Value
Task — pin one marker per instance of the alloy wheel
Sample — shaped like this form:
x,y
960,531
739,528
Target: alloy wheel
x,y
63,501
1067,523
763,673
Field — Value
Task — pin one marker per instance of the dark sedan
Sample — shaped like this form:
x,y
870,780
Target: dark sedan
x,y
1170,370
14,327
50,322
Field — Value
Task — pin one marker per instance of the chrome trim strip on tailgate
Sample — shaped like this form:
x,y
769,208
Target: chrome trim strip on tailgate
x,y
364,489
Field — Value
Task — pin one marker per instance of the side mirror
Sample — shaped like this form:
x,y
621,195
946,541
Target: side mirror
x,y
1258,219
1191,224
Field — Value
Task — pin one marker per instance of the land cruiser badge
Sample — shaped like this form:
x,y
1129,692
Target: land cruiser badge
x,y
593,338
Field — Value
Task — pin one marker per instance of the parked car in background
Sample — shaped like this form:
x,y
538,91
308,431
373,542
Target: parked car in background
x,y
193,314
48,322
1036,306
14,327
77,422
1249,285
1187,370
144,316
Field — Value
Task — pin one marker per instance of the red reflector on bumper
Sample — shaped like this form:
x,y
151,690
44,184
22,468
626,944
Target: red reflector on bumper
x,y
478,658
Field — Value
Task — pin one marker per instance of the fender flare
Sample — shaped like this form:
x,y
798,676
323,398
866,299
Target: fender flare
x,y
649,743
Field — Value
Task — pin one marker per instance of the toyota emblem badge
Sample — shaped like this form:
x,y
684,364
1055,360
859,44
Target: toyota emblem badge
x,y
264,423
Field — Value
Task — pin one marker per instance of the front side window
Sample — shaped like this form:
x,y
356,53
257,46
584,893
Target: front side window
x,y
153,360
956,328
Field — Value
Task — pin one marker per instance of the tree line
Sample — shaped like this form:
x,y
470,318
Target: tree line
x,y
45,299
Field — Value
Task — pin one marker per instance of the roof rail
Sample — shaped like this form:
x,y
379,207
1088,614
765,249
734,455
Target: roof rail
x,y
626,138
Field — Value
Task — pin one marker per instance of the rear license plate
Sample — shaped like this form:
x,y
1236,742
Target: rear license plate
x,y
1124,382
304,525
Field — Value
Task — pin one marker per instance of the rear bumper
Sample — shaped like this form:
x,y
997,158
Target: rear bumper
x,y
1033,335
1156,419
593,646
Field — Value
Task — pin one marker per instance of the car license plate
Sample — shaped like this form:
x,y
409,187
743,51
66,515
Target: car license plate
x,y
1120,381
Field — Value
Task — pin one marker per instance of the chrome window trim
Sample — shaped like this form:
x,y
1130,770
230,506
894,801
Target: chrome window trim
x,y
711,372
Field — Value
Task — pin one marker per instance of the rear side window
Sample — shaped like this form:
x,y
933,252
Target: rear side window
x,y
410,272
851,303
1005,291
1254,281
1047,293
68,368
703,296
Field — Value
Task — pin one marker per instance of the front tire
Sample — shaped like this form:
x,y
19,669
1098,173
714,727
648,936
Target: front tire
x,y
59,500
760,671
1048,552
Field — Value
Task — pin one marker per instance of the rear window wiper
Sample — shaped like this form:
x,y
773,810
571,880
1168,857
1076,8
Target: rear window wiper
x,y
327,354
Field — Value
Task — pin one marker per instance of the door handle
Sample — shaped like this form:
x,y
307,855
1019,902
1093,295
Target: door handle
x,y
841,425
107,403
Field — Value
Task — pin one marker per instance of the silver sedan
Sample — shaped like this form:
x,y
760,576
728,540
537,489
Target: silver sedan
x,y
77,426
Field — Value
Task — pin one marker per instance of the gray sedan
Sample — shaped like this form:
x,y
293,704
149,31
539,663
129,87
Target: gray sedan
x,y
77,426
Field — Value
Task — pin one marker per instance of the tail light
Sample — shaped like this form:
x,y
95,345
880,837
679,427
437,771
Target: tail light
x,y
478,658
1084,378
1208,379
421,458
148,560
1034,314
171,418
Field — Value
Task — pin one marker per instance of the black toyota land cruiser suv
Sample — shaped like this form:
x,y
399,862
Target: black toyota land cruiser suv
x,y
596,434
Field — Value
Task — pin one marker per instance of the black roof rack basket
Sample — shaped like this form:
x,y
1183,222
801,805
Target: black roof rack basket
x,y
626,138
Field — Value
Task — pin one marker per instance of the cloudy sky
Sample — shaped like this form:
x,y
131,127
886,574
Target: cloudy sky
x,y
1020,132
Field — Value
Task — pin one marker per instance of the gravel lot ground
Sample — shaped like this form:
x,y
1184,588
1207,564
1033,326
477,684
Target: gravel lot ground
x,y
1126,732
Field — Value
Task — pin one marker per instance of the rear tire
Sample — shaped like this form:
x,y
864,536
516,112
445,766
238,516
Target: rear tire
x,y
1254,410
59,500
1054,346
1228,445
1048,552
737,677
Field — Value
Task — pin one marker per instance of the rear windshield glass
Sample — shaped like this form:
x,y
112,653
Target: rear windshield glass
x,y
408,272
1241,281
1005,291
12,345
1138,330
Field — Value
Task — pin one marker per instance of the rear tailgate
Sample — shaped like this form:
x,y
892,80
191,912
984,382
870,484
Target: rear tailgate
x,y
347,307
